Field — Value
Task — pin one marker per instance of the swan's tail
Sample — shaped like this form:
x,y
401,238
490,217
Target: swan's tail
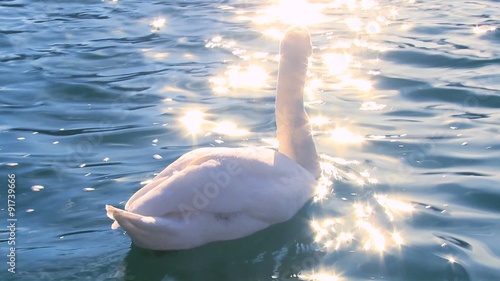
x,y
126,219
129,221
145,231
110,212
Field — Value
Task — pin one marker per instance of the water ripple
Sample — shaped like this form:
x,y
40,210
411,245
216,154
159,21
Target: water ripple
x,y
73,132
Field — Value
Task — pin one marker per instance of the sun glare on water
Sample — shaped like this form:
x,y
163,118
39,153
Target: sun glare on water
x,y
239,77
482,29
320,276
343,135
252,76
337,63
229,128
291,12
158,23
192,121
195,123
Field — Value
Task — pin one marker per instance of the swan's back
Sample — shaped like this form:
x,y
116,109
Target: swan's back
x,y
228,180
219,194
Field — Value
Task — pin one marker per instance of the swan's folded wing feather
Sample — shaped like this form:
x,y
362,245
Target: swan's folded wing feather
x,y
136,225
168,233
261,183
176,166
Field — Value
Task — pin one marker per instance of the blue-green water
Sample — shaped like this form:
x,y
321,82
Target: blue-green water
x,y
92,100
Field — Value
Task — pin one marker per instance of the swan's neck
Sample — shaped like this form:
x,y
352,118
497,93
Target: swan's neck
x,y
294,130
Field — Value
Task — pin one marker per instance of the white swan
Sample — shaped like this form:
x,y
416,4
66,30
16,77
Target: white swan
x,y
213,194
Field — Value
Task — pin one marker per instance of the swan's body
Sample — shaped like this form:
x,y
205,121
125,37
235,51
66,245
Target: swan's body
x,y
213,194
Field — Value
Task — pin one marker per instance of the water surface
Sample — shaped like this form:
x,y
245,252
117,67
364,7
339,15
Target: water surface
x,y
96,97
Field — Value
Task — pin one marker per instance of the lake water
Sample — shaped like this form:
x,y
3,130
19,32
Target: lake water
x,y
98,96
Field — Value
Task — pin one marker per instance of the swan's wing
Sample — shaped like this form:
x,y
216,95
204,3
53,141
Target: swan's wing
x,y
185,160
169,233
259,182
177,165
